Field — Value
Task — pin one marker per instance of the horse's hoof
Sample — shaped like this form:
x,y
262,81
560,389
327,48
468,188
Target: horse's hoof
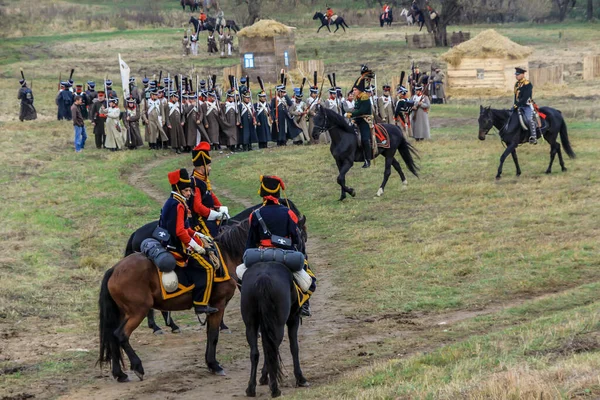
x,y
176,330
140,375
250,393
564,169
159,332
218,372
263,381
379,192
122,378
498,178
276,393
226,330
405,182
352,192
302,383
548,172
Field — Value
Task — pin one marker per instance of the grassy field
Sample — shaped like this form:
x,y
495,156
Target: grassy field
x,y
511,266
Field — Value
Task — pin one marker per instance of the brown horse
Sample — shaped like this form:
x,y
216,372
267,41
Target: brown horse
x,y
131,288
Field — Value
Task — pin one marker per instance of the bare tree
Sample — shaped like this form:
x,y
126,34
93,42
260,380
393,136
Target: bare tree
x,y
563,7
449,10
253,10
590,10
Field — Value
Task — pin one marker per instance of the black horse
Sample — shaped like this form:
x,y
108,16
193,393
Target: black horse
x,y
145,232
345,150
383,19
269,302
194,5
198,27
229,24
512,134
339,21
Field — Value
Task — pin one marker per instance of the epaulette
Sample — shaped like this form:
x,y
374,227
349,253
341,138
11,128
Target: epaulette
x,y
525,82
363,96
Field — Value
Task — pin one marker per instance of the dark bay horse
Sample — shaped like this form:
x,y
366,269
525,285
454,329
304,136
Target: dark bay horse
x,y
145,232
383,19
512,134
131,288
194,5
268,303
345,150
339,21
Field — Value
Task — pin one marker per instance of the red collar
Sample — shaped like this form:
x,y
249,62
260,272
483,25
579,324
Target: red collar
x,y
270,198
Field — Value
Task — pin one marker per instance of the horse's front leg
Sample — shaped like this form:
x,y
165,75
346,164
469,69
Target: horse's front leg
x,y
344,167
507,151
516,160
386,175
213,327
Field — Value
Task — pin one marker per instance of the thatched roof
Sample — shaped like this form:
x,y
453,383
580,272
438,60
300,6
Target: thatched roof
x,y
265,28
488,44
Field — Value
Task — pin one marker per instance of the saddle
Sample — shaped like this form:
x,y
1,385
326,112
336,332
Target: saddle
x,y
382,136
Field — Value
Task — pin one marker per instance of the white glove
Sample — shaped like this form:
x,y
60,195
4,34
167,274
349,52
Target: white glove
x,y
203,236
196,247
214,215
225,211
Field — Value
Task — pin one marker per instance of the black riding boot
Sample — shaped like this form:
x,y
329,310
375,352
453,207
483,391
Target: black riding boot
x,y
366,147
305,309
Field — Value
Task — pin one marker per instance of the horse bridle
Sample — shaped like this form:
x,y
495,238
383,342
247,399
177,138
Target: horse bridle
x,y
325,119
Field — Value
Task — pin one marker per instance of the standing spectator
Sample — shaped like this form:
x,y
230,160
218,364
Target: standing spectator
x,y
212,42
439,94
194,44
25,94
78,124
114,130
99,119
420,115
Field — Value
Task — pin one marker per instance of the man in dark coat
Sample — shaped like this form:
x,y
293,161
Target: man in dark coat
x,y
98,119
285,126
64,101
83,106
362,114
90,95
25,95
263,120
248,122
523,102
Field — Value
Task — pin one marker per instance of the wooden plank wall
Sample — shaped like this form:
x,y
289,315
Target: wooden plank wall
x,y
497,73
591,67
235,70
420,41
307,68
541,76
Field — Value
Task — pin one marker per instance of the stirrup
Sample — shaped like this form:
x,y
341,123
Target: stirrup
x,y
305,310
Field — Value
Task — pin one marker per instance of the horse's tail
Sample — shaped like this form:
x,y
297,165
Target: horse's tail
x,y
129,247
267,310
564,139
408,154
110,318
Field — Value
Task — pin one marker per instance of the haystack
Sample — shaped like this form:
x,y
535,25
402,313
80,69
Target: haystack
x,y
267,47
265,28
486,61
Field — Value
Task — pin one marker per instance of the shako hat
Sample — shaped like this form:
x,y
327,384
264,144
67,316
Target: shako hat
x,y
201,154
270,186
364,80
91,84
179,180
108,82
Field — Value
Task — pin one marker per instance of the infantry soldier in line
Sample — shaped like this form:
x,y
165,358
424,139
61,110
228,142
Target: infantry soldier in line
x,y
299,111
154,121
114,131
190,113
83,106
385,106
164,103
132,124
523,102
91,95
201,114
413,79
134,91
98,117
373,99
25,95
263,120
248,122
176,123
64,101
331,103
285,126
403,110
420,115
212,118
314,93
110,93
229,118
212,43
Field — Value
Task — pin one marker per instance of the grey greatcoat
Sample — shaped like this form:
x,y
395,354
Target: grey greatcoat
x,y
229,113
190,114
385,107
212,119
438,81
28,111
299,110
154,118
420,117
132,124
114,130
175,128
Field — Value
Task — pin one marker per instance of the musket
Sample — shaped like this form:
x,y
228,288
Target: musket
x,y
59,79
71,75
237,96
105,92
318,99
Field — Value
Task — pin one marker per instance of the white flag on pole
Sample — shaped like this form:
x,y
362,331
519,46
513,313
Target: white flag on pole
x,y
124,77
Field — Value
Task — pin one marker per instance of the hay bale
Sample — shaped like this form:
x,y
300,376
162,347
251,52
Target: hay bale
x,y
488,44
265,28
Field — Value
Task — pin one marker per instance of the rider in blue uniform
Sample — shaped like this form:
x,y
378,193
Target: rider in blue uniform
x,y
185,242
524,102
280,221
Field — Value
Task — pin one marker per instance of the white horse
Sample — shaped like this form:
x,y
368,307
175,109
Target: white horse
x,y
408,15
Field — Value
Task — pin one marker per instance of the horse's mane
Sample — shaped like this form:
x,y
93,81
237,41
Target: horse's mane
x,y
232,238
339,120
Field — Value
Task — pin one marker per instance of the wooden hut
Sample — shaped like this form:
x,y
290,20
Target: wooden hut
x,y
266,48
487,61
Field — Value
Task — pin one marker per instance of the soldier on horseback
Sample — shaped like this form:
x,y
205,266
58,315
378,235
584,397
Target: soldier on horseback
x,y
184,242
362,114
275,226
523,102
329,15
